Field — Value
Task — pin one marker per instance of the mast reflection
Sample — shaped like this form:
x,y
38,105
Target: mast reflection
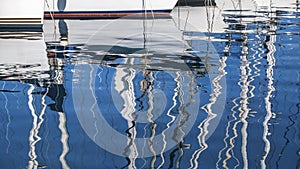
x,y
55,87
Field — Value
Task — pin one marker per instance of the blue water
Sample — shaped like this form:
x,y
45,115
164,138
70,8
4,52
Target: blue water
x,y
135,93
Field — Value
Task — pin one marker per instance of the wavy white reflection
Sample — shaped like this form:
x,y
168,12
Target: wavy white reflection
x,y
64,139
150,116
36,124
244,83
175,95
203,126
271,89
125,87
241,104
183,95
227,135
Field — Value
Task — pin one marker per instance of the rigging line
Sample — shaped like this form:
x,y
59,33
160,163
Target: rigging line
x,y
186,19
147,40
144,6
50,12
209,23
52,16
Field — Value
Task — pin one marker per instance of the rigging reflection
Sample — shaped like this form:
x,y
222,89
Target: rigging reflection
x,y
55,87
144,76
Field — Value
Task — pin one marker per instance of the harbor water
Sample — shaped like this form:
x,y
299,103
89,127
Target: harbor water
x,y
214,86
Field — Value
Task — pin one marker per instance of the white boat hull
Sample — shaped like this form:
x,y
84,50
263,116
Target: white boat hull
x,y
106,8
20,13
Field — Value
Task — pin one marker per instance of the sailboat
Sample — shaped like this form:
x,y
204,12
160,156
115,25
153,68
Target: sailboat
x,y
21,14
106,8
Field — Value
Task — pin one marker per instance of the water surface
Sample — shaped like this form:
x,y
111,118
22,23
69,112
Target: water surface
x,y
216,91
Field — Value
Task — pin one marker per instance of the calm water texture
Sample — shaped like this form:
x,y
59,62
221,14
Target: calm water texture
x,y
209,87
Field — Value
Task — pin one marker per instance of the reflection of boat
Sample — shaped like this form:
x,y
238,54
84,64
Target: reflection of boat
x,y
150,73
214,14
106,8
135,39
26,84
32,64
224,11
19,13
